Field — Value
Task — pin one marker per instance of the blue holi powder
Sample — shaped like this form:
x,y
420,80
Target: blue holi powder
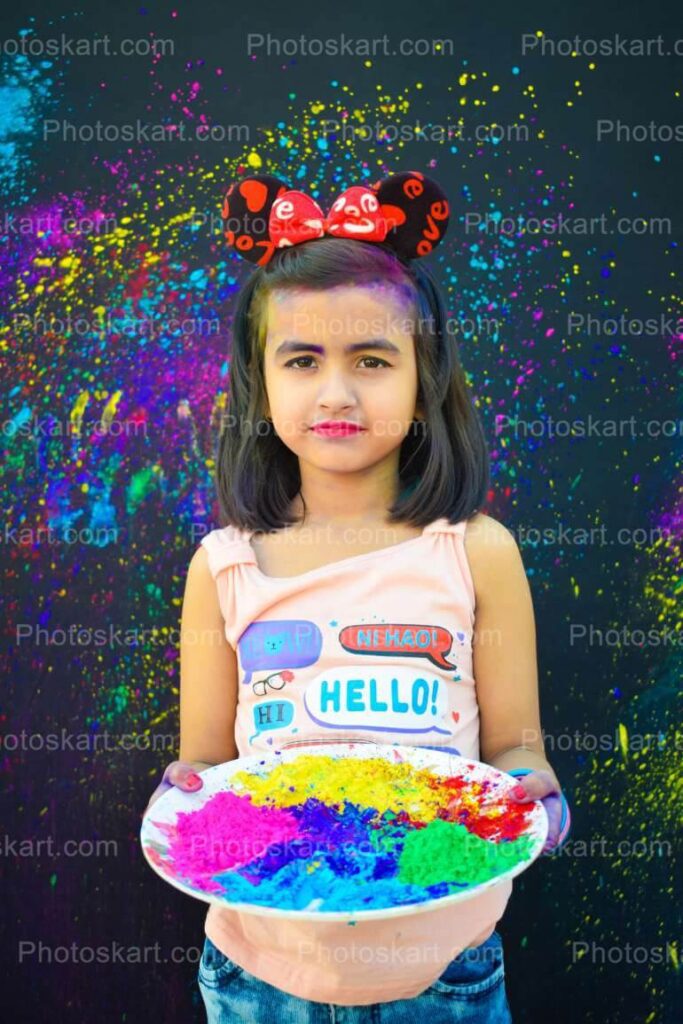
x,y
24,95
296,886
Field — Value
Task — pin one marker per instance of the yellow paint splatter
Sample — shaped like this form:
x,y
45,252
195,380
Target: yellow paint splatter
x,y
623,740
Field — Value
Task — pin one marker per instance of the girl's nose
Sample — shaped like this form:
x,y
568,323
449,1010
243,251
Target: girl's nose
x,y
336,389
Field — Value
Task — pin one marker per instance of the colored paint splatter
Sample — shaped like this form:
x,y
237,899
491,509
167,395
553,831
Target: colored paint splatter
x,y
143,396
346,834
134,308
25,94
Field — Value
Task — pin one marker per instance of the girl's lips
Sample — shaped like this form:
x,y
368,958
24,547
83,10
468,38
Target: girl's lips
x,y
337,429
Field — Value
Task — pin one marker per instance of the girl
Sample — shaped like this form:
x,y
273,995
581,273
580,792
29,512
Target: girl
x,y
350,473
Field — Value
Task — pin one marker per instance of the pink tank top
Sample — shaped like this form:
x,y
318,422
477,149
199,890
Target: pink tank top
x,y
372,648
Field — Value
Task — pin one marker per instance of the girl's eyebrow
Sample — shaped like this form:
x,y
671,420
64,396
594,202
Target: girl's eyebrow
x,y
382,344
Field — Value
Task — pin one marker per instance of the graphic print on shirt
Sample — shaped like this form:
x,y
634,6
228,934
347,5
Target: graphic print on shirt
x,y
394,698
279,644
408,639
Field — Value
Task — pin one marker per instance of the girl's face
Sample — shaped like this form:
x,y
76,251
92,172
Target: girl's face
x,y
342,354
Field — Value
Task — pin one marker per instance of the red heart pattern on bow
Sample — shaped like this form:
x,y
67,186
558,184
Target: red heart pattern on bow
x,y
296,217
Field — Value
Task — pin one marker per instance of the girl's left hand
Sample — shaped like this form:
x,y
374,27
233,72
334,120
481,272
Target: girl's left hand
x,y
539,785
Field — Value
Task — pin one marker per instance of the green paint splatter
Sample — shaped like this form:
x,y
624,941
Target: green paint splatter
x,y
140,485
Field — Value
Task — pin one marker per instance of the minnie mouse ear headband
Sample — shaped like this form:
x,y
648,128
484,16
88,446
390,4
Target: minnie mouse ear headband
x,y
407,211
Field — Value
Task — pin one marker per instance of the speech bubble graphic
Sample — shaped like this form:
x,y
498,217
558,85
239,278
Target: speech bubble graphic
x,y
272,714
400,638
372,697
279,643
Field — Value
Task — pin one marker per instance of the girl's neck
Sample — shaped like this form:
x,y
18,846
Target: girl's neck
x,y
330,515
334,503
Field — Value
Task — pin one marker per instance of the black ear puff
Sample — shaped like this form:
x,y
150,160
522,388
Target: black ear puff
x,y
416,210
245,211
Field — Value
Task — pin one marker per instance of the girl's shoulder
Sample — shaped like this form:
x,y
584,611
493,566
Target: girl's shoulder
x,y
482,531
227,546
493,554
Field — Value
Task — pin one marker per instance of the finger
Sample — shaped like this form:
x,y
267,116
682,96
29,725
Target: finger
x,y
534,786
178,774
520,792
553,806
170,770
183,776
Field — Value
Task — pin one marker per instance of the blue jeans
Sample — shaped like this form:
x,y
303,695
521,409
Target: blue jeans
x,y
471,990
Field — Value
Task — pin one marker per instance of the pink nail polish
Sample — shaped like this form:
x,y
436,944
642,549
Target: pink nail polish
x,y
519,792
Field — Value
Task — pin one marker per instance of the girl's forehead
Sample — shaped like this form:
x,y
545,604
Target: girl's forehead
x,y
354,312
347,296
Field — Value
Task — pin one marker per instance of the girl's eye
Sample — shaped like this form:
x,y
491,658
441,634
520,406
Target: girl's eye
x,y
373,359
298,360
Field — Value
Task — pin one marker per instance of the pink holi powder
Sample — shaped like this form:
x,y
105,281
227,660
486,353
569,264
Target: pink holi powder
x,y
227,832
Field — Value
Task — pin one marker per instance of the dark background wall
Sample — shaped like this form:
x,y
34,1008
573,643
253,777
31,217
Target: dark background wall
x,y
114,344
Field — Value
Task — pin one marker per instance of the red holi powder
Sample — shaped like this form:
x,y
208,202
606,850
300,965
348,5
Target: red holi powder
x,y
456,783
506,820
490,815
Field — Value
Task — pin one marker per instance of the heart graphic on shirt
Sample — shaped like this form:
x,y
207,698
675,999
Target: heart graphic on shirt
x,y
455,715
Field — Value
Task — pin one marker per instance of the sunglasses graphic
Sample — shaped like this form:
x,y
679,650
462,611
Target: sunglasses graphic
x,y
276,680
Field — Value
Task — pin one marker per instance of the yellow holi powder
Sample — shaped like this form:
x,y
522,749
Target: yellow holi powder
x,y
109,410
76,414
388,787
623,740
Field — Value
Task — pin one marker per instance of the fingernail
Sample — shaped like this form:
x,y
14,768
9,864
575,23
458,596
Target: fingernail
x,y
518,792
192,779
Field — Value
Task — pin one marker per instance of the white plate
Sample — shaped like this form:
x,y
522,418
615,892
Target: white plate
x,y
155,844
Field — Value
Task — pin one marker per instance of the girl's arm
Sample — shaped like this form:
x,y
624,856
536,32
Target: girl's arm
x,y
504,650
208,673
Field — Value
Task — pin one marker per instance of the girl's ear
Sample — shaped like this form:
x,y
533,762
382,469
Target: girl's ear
x,y
416,210
246,212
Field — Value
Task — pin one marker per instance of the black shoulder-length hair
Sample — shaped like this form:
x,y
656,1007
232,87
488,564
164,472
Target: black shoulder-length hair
x,y
444,460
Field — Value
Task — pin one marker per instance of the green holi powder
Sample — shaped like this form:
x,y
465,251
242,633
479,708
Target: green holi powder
x,y
140,485
446,852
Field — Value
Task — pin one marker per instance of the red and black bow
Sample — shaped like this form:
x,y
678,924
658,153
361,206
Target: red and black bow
x,y
407,211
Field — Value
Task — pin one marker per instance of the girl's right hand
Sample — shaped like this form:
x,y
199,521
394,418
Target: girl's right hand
x,y
180,774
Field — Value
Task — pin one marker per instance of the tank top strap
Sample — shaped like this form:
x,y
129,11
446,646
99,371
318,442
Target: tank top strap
x,y
444,526
456,531
227,546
